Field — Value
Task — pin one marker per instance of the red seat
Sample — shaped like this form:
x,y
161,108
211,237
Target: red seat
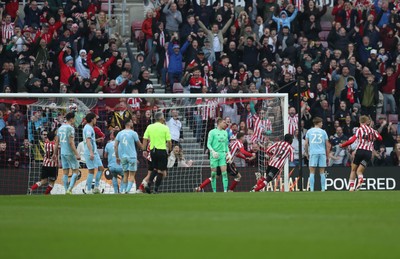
x,y
137,33
326,25
393,118
323,35
324,44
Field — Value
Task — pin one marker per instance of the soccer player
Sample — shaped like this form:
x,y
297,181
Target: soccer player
x,y
277,153
126,155
218,143
366,137
49,170
113,166
91,155
159,136
150,169
317,151
69,154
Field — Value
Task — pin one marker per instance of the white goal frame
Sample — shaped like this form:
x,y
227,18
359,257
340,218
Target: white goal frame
x,y
285,111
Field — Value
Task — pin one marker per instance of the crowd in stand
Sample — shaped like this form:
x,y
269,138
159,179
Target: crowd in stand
x,y
207,46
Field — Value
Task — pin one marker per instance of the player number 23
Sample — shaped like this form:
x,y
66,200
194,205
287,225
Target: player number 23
x,y
316,138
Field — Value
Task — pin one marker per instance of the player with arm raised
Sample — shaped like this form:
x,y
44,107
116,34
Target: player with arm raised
x,y
277,153
92,157
69,154
114,168
237,150
217,143
317,150
49,169
366,137
126,155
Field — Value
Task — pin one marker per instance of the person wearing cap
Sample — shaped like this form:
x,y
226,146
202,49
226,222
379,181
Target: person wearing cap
x,y
97,64
34,85
200,61
175,54
81,64
66,68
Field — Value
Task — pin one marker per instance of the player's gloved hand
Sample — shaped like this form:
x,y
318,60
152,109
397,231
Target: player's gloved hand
x,y
229,158
214,154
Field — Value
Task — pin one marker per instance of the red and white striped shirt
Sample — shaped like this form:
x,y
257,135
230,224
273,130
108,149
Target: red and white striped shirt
x,y
134,103
49,150
366,137
278,153
209,110
260,128
7,30
237,149
293,123
250,120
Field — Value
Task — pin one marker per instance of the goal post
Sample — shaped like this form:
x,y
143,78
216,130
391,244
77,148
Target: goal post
x,y
196,112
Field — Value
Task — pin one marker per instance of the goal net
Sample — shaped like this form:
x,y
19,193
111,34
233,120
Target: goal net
x,y
260,118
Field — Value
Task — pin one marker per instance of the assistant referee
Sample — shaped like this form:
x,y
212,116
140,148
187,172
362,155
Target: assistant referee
x,y
159,136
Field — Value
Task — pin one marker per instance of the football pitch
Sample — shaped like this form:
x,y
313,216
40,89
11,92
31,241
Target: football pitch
x,y
202,225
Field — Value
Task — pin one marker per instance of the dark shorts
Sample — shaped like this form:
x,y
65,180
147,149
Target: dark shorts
x,y
50,173
272,171
362,157
230,169
150,166
159,159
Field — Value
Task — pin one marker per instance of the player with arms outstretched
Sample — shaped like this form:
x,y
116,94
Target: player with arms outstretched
x,y
126,155
366,137
114,168
277,153
69,154
49,169
317,150
218,143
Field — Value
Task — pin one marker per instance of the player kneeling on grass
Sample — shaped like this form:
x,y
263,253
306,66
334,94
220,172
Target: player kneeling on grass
x,y
49,170
277,153
126,155
218,145
366,137
317,151
114,168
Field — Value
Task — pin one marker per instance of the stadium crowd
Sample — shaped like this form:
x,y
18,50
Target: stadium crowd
x,y
269,46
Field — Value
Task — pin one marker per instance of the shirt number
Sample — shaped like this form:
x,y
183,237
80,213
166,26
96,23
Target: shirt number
x,y
124,141
316,138
63,138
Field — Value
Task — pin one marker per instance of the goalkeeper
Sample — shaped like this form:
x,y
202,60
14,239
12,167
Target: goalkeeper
x,y
218,145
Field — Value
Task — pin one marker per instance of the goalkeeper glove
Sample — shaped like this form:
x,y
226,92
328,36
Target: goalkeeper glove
x,y
214,154
229,158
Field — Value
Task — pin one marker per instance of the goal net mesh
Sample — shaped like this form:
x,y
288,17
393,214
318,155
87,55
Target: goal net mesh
x,y
260,119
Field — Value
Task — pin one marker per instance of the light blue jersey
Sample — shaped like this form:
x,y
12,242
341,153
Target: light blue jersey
x,y
316,141
112,161
126,146
64,133
88,132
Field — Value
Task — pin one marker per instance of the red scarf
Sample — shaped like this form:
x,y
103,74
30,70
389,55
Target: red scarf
x,y
350,95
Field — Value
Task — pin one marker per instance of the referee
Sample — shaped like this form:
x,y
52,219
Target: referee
x,y
159,136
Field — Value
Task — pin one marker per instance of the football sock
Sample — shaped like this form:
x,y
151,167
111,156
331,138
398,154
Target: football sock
x,y
73,179
323,182
260,186
123,187
65,181
259,181
89,181
225,181
36,185
312,180
351,185
233,185
152,176
98,177
48,189
214,181
115,184
205,183
129,187
158,182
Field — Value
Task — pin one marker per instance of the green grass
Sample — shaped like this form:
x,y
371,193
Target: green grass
x,y
205,225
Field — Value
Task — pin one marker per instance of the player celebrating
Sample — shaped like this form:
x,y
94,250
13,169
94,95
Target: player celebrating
x,y
126,155
69,154
49,167
217,143
317,151
278,153
366,137
92,157
113,166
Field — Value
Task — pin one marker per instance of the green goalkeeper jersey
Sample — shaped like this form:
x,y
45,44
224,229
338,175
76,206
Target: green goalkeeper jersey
x,y
218,141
